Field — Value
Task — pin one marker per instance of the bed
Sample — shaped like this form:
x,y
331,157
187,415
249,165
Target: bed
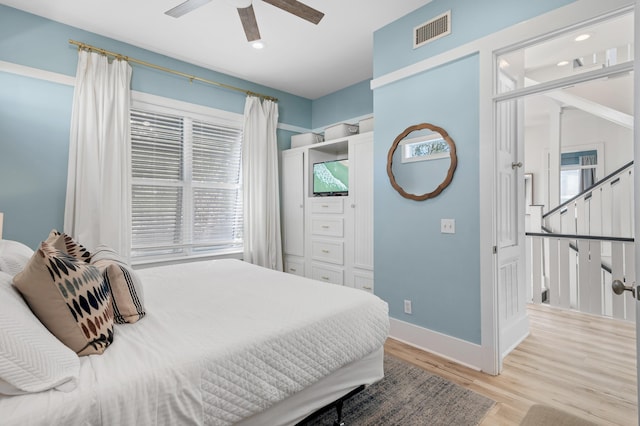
x,y
223,342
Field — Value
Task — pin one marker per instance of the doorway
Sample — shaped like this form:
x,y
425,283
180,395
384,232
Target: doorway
x,y
567,117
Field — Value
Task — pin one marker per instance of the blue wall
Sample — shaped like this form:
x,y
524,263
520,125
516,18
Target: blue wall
x,y
35,115
413,260
439,273
347,104
34,149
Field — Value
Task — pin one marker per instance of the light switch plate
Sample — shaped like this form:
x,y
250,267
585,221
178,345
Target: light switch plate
x,y
448,226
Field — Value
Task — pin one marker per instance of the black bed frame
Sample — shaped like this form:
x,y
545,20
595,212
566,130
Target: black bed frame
x,y
337,404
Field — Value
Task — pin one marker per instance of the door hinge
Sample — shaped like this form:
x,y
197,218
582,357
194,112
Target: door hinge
x,y
495,249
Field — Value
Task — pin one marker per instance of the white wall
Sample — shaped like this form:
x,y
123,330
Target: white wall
x,y
577,128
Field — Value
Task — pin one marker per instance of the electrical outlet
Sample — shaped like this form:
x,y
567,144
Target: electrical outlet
x,y
407,306
448,226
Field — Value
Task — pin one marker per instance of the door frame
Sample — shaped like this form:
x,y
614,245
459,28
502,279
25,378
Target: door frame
x,y
539,28
636,176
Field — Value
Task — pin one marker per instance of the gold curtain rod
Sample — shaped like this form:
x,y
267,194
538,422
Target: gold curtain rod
x,y
168,70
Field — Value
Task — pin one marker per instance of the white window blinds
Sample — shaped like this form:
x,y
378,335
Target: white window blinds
x,y
186,186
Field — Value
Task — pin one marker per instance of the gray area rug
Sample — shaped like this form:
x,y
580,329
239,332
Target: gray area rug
x,y
410,396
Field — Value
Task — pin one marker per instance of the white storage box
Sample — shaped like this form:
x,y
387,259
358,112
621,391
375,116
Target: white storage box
x,y
305,139
340,131
366,125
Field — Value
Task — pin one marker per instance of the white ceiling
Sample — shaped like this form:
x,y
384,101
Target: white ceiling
x,y
300,58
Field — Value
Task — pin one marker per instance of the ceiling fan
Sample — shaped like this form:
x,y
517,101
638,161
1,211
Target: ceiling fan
x,y
247,15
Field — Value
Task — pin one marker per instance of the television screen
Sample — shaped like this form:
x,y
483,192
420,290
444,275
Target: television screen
x,y
331,178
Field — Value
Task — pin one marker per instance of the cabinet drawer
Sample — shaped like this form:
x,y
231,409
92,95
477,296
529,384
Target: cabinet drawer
x,y
327,205
327,274
327,251
330,227
294,266
363,281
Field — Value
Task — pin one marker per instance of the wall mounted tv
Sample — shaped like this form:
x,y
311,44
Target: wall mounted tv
x,y
331,178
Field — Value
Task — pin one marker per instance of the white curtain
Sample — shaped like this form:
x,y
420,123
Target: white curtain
x,y
262,241
97,209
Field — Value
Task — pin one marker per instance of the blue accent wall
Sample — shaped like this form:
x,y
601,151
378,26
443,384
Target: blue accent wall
x,y
344,105
35,115
34,149
439,273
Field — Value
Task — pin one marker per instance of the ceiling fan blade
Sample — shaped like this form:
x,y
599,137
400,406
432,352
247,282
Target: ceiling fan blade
x,y
185,7
299,9
249,23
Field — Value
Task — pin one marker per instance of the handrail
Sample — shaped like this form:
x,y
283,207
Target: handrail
x,y
590,189
581,237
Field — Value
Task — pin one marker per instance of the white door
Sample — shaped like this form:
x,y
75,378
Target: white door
x,y
361,187
293,202
513,322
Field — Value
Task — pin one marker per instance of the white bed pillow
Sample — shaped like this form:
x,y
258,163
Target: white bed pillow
x,y
13,256
31,358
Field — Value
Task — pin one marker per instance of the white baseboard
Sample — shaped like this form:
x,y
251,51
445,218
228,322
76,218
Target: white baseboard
x,y
451,348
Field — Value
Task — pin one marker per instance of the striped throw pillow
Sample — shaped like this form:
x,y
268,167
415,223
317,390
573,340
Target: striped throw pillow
x,y
125,285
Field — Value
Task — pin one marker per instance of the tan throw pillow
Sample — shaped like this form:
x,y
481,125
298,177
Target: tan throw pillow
x,y
66,244
125,286
70,298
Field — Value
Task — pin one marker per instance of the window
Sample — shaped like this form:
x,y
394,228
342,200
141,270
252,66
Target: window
x,y
577,173
186,184
429,147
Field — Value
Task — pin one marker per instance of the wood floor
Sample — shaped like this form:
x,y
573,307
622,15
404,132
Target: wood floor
x,y
578,363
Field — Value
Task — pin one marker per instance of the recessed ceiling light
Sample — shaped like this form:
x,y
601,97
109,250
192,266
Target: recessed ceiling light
x,y
582,37
563,63
258,44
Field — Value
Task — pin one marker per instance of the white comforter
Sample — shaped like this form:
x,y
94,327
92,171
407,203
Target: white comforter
x,y
222,340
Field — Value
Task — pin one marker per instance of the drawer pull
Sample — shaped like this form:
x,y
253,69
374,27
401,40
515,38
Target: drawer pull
x,y
325,251
366,287
325,278
325,226
292,269
325,206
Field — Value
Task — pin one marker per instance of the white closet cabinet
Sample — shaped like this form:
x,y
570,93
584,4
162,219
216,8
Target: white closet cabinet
x,y
329,238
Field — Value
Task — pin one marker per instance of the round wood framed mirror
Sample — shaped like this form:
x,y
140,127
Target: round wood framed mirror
x,y
409,166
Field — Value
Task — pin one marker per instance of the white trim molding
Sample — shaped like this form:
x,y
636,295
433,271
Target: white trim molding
x,y
37,73
451,348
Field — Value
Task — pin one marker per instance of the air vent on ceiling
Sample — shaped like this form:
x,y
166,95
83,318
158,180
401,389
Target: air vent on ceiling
x,y
439,26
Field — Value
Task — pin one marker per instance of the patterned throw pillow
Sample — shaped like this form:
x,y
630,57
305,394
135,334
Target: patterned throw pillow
x,y
70,297
125,286
66,244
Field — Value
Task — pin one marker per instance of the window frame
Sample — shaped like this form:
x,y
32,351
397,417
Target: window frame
x,y
191,112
